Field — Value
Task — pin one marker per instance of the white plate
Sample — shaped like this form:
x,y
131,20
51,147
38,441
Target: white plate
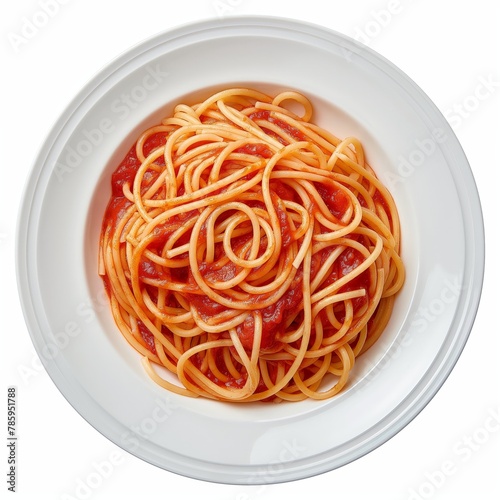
x,y
355,92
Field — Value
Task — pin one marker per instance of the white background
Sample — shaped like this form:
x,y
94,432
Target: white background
x,y
451,450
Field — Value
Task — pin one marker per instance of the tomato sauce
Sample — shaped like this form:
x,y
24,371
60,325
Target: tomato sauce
x,y
115,210
349,260
273,318
335,199
147,336
206,307
125,174
378,198
127,170
150,270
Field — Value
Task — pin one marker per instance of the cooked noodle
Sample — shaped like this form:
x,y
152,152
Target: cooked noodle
x,y
248,251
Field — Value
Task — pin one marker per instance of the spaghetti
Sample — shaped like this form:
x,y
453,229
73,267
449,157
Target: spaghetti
x,y
248,251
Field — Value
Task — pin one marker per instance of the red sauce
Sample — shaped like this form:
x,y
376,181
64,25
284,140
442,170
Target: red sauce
x,y
147,336
335,199
162,232
215,273
286,230
126,171
125,174
153,142
282,190
378,198
206,307
273,319
349,260
150,270
115,210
